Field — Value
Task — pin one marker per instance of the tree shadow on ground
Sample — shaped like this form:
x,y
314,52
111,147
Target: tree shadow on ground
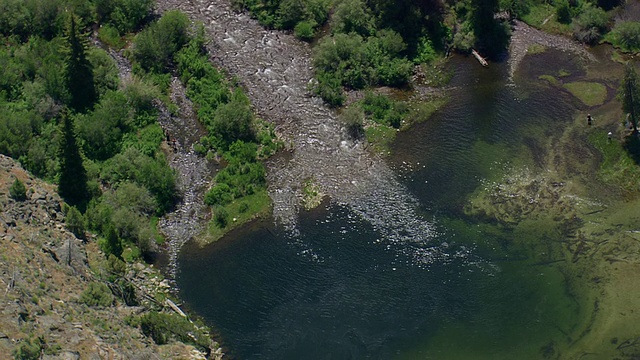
x,y
632,146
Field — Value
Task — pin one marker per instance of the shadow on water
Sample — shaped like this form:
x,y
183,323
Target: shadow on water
x,y
339,289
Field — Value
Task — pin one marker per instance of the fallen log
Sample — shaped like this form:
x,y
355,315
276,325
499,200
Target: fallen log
x,y
479,57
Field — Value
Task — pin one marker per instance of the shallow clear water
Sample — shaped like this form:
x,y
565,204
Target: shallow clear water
x,y
340,290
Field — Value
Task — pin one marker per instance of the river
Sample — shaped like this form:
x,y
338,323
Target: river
x,y
341,287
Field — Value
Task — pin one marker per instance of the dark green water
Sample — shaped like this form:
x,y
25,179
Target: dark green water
x,y
340,291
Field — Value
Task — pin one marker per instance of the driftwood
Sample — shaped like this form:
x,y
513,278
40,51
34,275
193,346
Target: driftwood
x,y
175,307
479,57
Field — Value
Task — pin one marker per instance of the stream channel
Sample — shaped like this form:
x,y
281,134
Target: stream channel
x,y
342,288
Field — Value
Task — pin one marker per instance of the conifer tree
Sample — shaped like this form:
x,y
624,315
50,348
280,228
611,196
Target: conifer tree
x,y
72,185
629,93
78,70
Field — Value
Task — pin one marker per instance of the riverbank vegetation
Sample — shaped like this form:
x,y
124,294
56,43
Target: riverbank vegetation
x,y
69,119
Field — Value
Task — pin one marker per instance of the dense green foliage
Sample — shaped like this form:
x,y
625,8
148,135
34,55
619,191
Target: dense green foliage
x,y
63,115
78,72
350,60
233,130
97,294
156,45
72,182
123,15
626,35
629,94
18,191
28,349
303,15
163,327
75,221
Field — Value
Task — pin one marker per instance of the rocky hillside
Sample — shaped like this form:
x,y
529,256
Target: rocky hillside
x,y
46,310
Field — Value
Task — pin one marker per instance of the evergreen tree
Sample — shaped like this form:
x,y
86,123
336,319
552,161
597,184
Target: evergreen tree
x,y
72,185
629,93
492,35
78,70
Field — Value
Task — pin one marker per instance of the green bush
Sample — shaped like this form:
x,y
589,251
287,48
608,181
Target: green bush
x,y
352,16
220,194
221,217
163,327
234,120
28,349
305,30
626,35
155,46
383,110
111,36
591,24
97,294
75,221
426,53
18,191
353,118
123,15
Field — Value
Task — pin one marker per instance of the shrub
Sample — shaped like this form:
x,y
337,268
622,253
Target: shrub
x,y
18,191
163,327
591,24
155,46
352,16
97,294
353,118
329,88
218,195
234,120
110,36
305,30
426,53
626,35
75,221
29,349
221,217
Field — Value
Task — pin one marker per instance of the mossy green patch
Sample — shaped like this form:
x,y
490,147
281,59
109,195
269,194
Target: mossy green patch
x,y
550,79
238,212
536,49
617,168
590,93
312,195
543,17
380,137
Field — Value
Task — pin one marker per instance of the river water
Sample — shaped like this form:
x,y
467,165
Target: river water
x,y
341,288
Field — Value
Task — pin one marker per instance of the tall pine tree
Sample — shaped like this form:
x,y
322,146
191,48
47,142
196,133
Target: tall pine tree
x,y
629,93
78,69
72,185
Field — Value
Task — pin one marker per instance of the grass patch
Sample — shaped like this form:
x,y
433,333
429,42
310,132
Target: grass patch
x,y
312,196
563,73
543,17
110,36
380,137
238,212
618,167
421,112
590,93
550,79
536,49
